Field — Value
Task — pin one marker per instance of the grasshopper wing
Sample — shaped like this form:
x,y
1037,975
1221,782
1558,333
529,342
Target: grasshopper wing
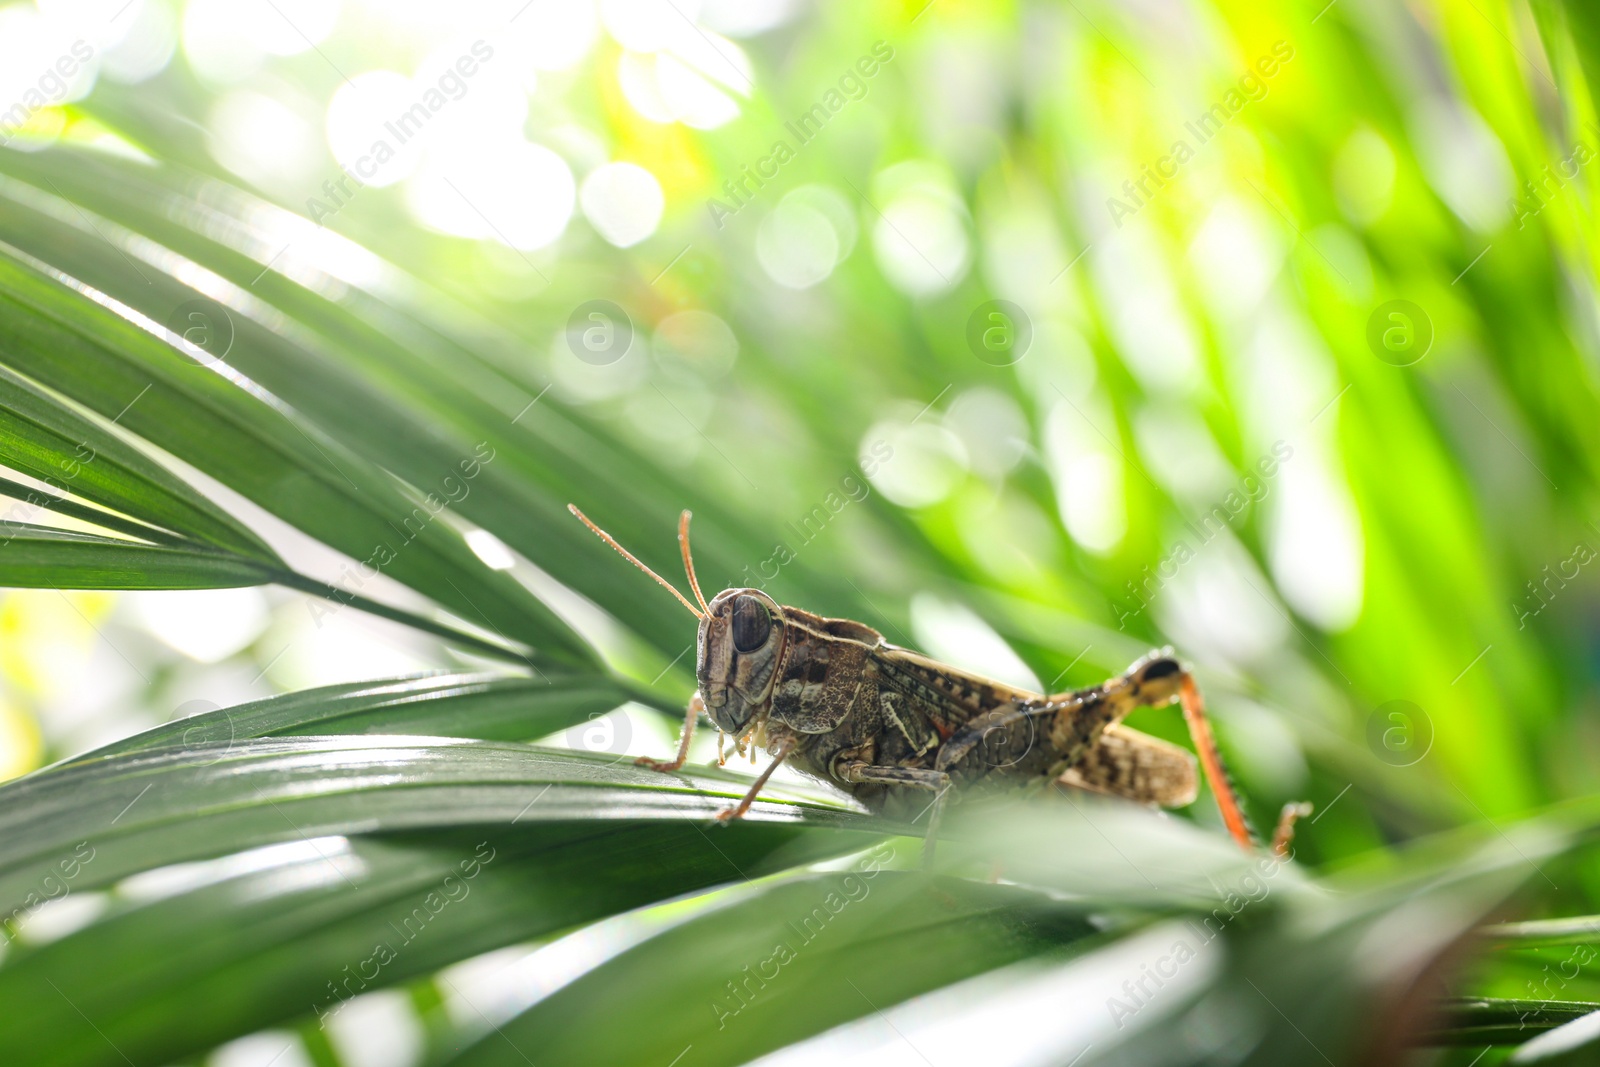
x,y
1127,763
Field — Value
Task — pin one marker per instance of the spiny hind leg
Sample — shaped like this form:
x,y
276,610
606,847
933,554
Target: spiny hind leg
x,y
1135,766
1194,713
1154,681
691,716
1205,745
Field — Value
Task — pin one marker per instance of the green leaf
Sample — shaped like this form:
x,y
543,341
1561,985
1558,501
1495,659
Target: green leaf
x,y
39,557
781,963
1472,1021
1574,930
42,437
581,838
1571,1043
392,370
216,950
1106,849
140,810
1339,973
442,705
52,330
38,497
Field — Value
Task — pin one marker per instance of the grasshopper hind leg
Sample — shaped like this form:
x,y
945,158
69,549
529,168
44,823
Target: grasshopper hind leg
x,y
1137,767
1158,679
1205,744
1283,836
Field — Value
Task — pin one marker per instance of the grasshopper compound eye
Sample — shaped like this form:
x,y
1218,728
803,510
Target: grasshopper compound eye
x,y
751,624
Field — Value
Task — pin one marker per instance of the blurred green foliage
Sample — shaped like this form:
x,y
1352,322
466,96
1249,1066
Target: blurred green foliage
x,y
1032,334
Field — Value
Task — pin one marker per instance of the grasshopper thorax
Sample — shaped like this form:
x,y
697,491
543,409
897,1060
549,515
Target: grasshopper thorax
x,y
740,644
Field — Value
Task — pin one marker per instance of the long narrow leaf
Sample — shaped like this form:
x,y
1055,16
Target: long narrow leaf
x,y
443,705
42,437
787,962
38,557
146,809
300,928
53,330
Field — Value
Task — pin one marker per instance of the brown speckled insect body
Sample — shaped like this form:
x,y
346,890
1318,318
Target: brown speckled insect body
x,y
890,725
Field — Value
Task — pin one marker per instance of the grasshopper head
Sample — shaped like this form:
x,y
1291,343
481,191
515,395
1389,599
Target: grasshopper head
x,y
741,639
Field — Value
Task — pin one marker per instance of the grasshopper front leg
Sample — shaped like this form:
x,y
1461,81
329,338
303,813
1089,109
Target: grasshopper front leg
x,y
785,747
691,716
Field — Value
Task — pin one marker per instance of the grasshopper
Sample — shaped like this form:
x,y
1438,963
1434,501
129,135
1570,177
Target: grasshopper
x,y
887,724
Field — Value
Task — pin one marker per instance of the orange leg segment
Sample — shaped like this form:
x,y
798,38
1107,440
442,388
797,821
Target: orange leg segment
x,y
1194,714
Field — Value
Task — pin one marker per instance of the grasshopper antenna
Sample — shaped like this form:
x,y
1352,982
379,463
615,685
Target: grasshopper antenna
x,y
629,556
688,560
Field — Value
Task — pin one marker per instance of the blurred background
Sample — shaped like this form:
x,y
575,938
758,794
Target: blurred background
x,y
1082,293
1033,334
